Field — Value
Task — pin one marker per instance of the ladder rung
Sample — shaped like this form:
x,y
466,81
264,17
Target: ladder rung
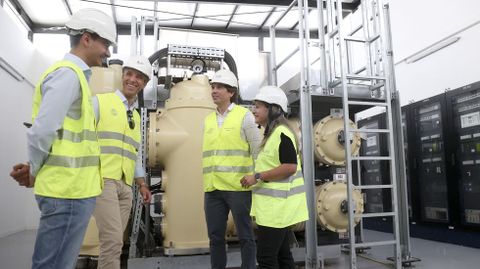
x,y
374,38
369,130
365,103
354,39
358,77
367,187
333,32
378,243
372,158
375,215
377,86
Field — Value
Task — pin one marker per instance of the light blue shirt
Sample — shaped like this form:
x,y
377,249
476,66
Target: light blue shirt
x,y
61,97
139,171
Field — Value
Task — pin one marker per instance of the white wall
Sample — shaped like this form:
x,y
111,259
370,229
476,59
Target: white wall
x,y
418,24
18,209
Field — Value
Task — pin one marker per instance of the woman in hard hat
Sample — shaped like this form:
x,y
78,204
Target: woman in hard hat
x,y
278,199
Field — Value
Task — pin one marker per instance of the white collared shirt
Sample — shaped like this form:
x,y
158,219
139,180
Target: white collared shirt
x,y
249,131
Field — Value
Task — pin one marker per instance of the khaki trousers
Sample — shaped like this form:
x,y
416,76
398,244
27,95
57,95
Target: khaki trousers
x,y
111,213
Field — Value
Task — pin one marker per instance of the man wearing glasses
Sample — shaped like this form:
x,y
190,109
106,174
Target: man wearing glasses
x,y
119,136
63,150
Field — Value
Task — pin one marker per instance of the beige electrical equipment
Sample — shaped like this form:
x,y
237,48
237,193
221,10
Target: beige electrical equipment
x,y
231,231
175,143
106,79
329,140
91,243
332,206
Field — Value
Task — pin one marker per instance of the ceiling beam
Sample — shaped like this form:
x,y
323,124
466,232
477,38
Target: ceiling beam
x,y
194,14
231,16
311,3
67,7
241,31
18,7
267,17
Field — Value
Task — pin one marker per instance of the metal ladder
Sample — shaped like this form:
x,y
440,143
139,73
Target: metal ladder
x,y
377,74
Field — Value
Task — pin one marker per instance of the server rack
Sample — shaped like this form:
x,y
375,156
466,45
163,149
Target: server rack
x,y
412,182
428,130
464,113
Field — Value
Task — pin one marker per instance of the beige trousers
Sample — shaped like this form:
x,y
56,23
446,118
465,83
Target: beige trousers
x,y
111,213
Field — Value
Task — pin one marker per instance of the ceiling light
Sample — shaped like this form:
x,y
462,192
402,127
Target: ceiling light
x,y
435,47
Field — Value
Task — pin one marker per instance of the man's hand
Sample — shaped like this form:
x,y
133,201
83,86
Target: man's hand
x,y
248,180
146,194
21,174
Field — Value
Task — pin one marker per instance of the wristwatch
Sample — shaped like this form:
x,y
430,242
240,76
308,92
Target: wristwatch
x,y
258,177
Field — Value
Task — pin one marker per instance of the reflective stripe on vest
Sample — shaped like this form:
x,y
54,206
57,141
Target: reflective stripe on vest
x,y
118,143
72,162
242,153
117,136
226,156
119,151
75,146
279,193
228,169
77,137
278,203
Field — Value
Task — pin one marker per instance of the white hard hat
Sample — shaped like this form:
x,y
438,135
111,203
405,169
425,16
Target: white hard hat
x,y
225,77
94,21
272,95
139,63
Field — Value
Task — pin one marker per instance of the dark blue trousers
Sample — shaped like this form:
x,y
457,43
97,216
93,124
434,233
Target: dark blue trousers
x,y
217,205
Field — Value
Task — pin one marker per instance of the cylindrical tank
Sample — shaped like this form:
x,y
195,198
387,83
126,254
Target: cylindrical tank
x,y
331,207
105,80
175,142
329,138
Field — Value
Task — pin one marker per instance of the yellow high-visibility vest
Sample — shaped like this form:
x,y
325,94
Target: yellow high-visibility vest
x,y
72,169
278,203
119,144
226,156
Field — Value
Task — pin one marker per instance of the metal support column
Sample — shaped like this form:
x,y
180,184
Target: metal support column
x,y
311,259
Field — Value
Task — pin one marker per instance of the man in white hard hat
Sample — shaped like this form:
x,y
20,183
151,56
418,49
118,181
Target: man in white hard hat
x,y
63,149
119,134
230,142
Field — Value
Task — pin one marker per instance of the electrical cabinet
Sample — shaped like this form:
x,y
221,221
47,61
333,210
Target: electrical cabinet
x,y
429,123
412,189
464,108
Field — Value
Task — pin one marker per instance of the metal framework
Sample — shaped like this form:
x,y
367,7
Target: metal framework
x,y
369,86
241,28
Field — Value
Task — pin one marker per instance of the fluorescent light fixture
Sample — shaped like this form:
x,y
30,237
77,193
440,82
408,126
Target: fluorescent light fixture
x,y
433,48
11,70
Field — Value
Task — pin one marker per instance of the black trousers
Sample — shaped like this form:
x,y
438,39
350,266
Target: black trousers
x,y
217,205
273,248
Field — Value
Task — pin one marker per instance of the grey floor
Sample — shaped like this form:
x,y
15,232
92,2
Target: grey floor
x,y
16,251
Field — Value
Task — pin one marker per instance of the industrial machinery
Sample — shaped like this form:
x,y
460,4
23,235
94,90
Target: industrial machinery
x,y
173,106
